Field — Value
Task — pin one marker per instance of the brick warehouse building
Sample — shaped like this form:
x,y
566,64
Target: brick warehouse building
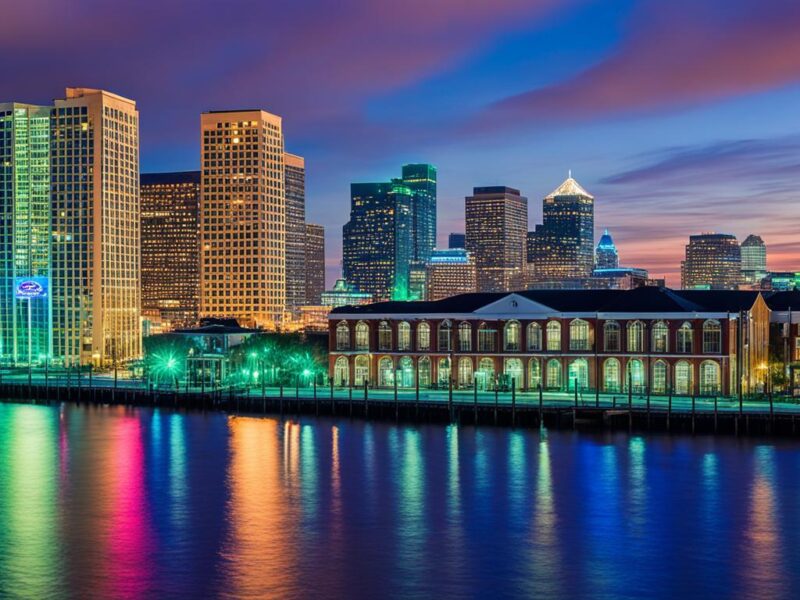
x,y
658,340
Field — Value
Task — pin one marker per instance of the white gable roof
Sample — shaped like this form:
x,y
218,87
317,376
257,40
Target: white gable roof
x,y
514,305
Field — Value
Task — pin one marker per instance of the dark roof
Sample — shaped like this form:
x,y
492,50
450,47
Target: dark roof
x,y
495,189
641,299
783,301
176,177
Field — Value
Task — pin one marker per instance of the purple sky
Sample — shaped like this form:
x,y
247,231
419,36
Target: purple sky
x,y
679,116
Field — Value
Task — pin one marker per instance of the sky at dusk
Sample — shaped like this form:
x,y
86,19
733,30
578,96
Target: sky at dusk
x,y
679,116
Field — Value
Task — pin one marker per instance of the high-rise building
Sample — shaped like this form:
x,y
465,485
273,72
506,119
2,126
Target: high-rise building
x,y
457,240
171,246
95,228
421,180
713,261
450,272
562,247
605,255
243,217
344,294
315,263
295,176
754,259
496,226
377,241
25,217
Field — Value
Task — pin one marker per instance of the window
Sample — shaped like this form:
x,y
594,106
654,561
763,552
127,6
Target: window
x,y
578,374
635,375
485,374
425,371
362,336
513,371
709,377
685,338
423,339
635,336
683,378
443,372
444,336
486,338
579,335
611,374
511,336
464,337
405,372
361,370
659,382
553,373
554,337
403,336
660,337
464,372
385,372
535,337
342,336
712,338
534,373
384,336
611,336
341,372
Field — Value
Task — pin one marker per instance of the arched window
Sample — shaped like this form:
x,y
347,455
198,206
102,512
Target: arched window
x,y
683,378
486,337
709,378
423,337
485,374
534,373
660,337
611,374
712,337
578,374
385,372
635,336
579,335
406,372
659,381
464,337
514,372
341,372
553,381
362,336
635,376
534,337
685,338
443,372
445,330
424,372
384,336
511,335
554,338
343,336
361,370
403,336
611,336
465,372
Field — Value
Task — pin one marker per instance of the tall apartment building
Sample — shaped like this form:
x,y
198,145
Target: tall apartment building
x,y
421,180
295,183
450,272
713,261
243,217
25,220
496,230
95,228
315,263
562,247
754,259
171,246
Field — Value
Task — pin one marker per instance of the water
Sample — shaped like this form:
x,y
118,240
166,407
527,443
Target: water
x,y
107,502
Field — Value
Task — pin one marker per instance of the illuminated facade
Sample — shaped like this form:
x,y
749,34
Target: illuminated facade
x,y
421,180
651,341
562,247
295,182
605,255
754,259
713,261
95,228
25,323
314,263
344,294
450,272
171,247
496,228
243,217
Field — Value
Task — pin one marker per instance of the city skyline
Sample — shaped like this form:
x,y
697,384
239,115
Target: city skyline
x,y
486,95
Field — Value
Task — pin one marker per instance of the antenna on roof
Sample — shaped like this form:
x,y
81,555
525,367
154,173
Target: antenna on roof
x,y
569,173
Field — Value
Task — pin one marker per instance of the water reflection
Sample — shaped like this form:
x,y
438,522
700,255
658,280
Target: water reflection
x,y
545,555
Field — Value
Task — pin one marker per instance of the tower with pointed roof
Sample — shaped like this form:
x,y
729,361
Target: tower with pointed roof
x,y
605,255
562,247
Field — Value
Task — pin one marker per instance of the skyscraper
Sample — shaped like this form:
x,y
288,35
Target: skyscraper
x,y
605,255
242,217
377,241
295,175
754,259
95,221
171,246
713,261
450,272
456,240
562,247
496,224
421,180
25,323
314,263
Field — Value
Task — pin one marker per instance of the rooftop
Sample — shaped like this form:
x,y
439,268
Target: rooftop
x,y
570,187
